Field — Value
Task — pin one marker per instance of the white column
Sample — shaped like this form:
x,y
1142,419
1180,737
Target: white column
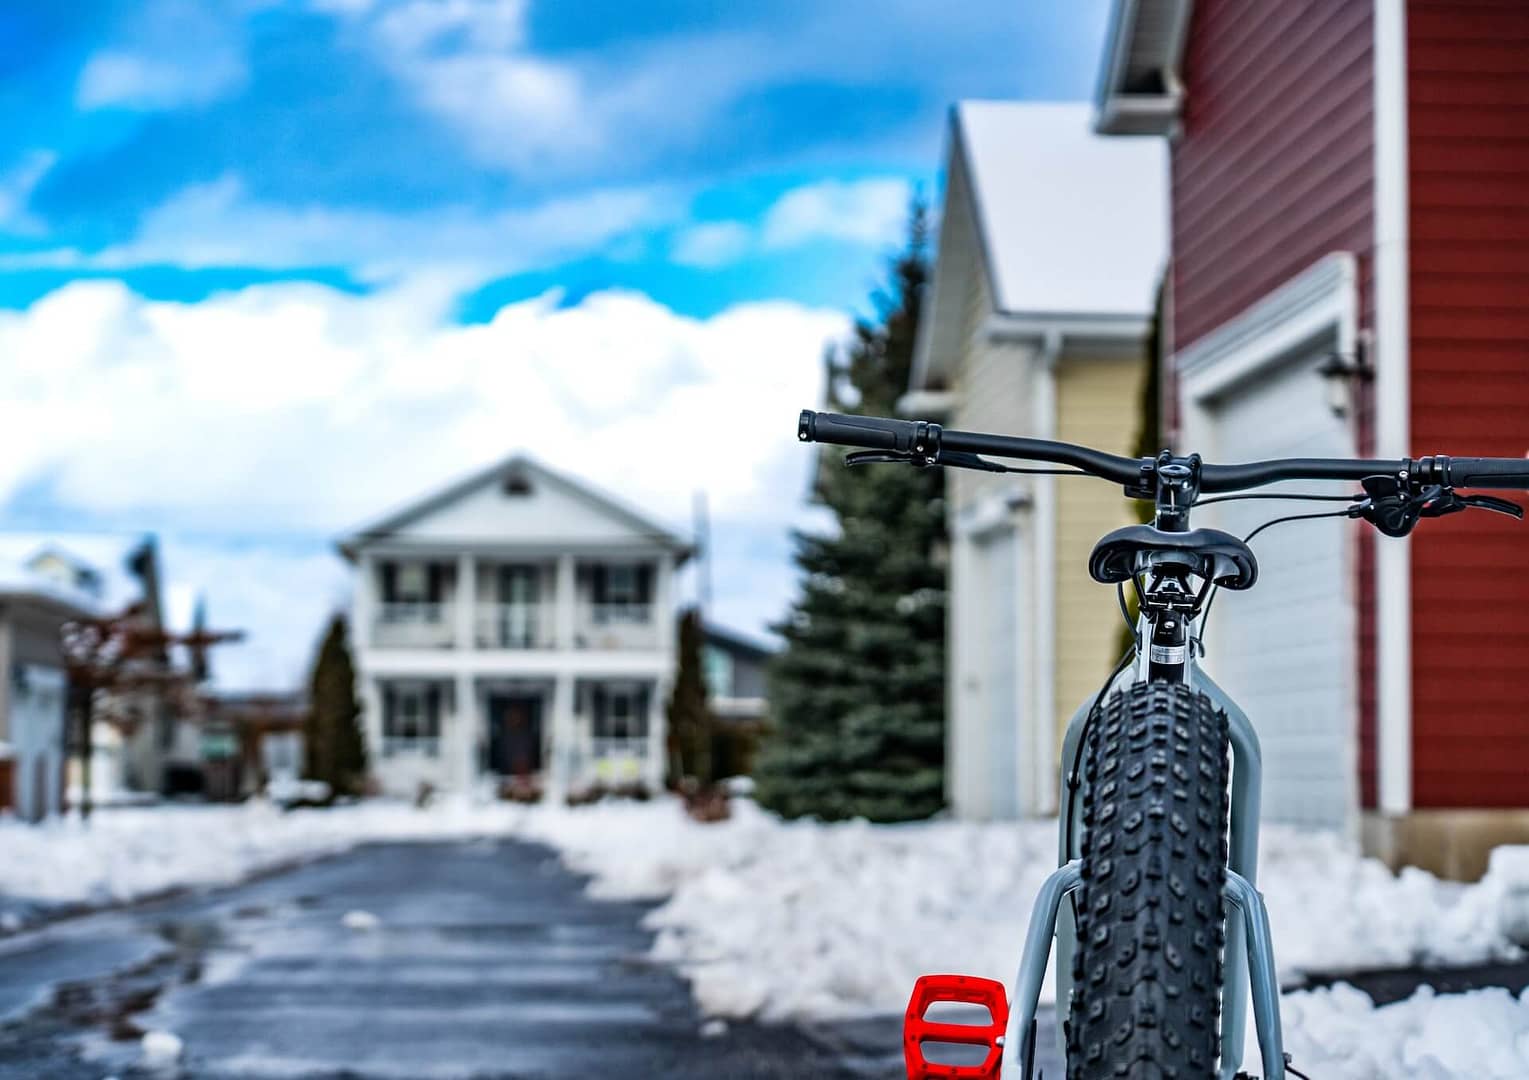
x,y
363,601
371,719
563,601
663,606
658,734
560,770
467,601
463,747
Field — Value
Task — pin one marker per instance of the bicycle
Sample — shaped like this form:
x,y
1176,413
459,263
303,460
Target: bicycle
x,y
1160,770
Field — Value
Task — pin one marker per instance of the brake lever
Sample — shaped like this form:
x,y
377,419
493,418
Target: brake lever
x,y
954,459
877,457
1450,502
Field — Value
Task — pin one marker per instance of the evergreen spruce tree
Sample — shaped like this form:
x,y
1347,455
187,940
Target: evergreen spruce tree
x,y
334,749
690,721
857,697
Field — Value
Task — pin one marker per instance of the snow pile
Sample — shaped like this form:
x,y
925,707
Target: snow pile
x,y
786,920
124,853
798,920
1338,1033
1332,910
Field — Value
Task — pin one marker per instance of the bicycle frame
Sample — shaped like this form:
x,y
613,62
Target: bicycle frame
x,y
1249,955
1052,918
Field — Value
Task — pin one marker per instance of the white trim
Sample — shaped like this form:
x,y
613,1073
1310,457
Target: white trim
x,y
1042,751
1321,299
1317,306
1126,329
1393,567
1119,112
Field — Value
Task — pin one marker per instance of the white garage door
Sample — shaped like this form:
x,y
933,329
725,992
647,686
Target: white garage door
x,y
1284,650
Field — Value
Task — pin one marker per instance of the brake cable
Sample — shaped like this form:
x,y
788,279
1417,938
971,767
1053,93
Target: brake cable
x,y
1351,512
1074,772
1309,496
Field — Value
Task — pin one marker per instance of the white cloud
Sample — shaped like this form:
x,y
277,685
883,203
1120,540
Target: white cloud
x,y
871,211
867,212
175,53
127,80
279,594
218,224
297,407
16,187
712,243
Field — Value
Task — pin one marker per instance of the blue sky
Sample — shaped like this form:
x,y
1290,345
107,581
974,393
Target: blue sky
x,y
268,266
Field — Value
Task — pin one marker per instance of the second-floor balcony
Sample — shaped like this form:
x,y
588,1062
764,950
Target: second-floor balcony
x,y
515,626
579,606
414,625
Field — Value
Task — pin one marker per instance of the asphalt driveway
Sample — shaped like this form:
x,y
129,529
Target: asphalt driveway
x,y
479,959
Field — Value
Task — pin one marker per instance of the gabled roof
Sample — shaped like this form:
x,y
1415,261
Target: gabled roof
x,y
1067,230
1139,90
515,468
734,641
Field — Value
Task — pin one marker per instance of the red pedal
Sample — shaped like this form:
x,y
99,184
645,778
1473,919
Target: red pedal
x,y
966,989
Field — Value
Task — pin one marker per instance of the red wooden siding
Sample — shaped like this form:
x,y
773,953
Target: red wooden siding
x,y
1468,149
1274,170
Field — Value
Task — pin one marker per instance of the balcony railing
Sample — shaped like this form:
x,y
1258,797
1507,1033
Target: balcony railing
x,y
596,627
616,626
413,625
514,626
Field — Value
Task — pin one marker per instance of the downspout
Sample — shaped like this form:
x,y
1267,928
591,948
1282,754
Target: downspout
x,y
1393,569
1043,751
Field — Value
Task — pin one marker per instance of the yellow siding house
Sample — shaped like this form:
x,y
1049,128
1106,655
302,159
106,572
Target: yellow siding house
x,y
1036,323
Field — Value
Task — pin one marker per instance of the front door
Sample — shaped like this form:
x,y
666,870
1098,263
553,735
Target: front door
x,y
515,734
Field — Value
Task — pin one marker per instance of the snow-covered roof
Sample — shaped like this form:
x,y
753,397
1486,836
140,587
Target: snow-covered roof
x,y
1067,229
1071,222
88,571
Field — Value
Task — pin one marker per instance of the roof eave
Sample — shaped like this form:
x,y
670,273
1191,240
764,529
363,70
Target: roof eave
x,y
1103,329
1119,111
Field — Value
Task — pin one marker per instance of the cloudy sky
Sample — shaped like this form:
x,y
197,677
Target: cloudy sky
x,y
269,267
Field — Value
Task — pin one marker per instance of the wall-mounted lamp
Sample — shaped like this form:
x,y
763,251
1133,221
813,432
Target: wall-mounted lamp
x,y
1342,372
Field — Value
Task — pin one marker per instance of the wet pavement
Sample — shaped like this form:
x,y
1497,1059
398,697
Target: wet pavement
x,y
477,960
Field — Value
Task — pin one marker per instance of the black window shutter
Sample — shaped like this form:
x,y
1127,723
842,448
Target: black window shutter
x,y
597,584
433,589
432,723
645,584
389,710
389,583
600,722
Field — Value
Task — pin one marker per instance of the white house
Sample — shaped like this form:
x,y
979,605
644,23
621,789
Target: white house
x,y
1038,316
516,624
140,742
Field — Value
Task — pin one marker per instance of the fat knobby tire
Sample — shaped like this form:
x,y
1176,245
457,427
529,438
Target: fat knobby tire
x,y
1151,927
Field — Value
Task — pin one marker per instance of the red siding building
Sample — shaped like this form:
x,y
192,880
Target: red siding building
x,y
1350,182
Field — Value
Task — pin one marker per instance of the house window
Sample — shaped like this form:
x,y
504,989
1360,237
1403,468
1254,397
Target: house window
x,y
411,720
620,718
717,668
622,593
412,583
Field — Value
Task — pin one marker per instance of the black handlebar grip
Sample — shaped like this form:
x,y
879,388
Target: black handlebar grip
x,y
869,432
1507,474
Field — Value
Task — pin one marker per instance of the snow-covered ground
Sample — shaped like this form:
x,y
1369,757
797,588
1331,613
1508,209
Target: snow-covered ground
x,y
799,920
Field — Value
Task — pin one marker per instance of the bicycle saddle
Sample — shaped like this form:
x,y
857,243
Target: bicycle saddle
x,y
1208,553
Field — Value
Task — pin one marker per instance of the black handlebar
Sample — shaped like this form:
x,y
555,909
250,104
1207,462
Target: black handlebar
x,y
925,441
1506,474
